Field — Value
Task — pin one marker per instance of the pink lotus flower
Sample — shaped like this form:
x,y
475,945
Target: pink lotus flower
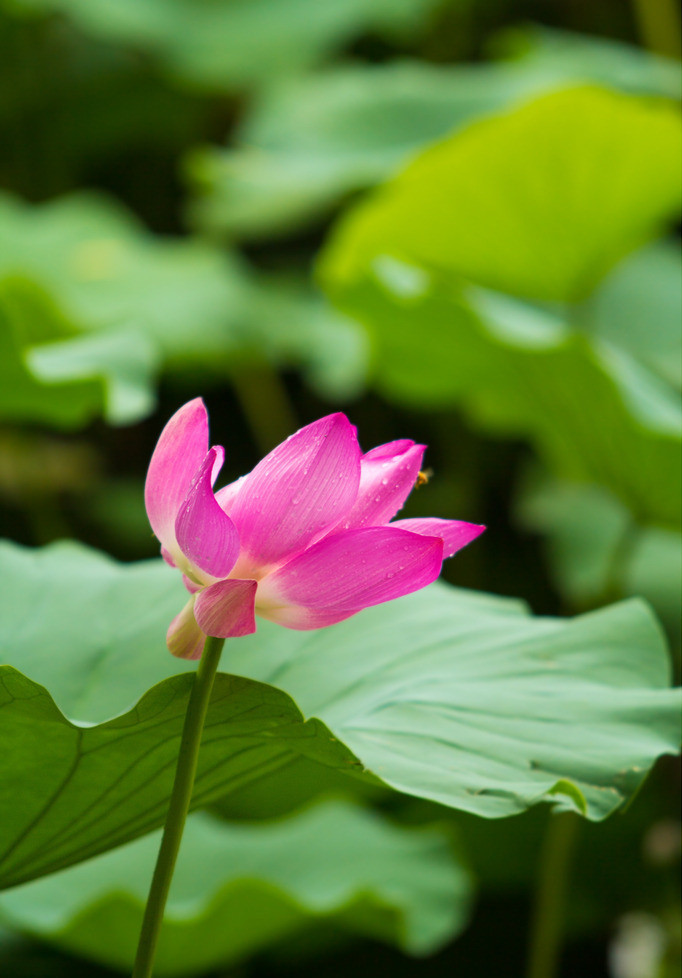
x,y
303,540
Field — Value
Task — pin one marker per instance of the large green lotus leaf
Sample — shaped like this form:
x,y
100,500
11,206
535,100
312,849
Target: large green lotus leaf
x,y
69,791
103,269
48,374
239,888
219,44
593,412
303,146
449,695
539,202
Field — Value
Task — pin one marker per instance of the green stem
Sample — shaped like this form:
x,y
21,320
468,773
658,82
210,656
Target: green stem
x,y
659,26
550,896
178,806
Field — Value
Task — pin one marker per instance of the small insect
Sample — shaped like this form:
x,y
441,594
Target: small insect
x,y
423,478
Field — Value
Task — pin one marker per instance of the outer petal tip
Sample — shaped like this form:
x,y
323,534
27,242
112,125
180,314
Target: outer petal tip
x,y
387,475
178,454
455,534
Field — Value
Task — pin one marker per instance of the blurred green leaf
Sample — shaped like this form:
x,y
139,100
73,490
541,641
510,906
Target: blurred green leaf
x,y
195,304
238,889
639,307
581,57
103,269
450,695
294,787
591,411
585,527
597,551
48,374
521,202
222,44
655,571
298,327
540,202
304,145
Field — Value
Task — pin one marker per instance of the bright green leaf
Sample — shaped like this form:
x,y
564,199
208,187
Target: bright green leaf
x,y
540,202
524,203
304,146
239,888
449,695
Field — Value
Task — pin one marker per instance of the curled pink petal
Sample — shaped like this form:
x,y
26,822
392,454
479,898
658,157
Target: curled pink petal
x,y
387,476
205,534
226,609
304,486
177,457
348,571
455,534
184,638
388,450
218,460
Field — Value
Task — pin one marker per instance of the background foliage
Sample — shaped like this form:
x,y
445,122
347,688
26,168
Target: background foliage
x,y
456,221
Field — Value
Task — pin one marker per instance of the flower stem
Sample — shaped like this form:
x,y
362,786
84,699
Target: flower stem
x,y
178,806
550,896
